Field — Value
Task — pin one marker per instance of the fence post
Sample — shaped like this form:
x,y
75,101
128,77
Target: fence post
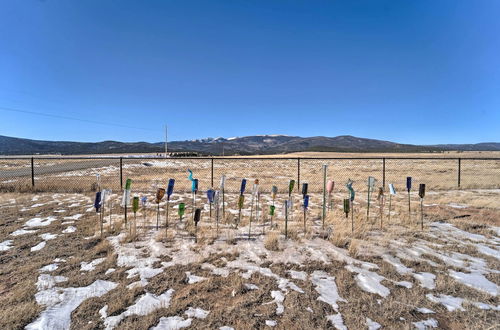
x,y
298,174
32,172
459,170
212,173
121,173
383,172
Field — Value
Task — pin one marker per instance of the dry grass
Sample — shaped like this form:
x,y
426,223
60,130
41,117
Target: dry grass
x,y
229,300
271,242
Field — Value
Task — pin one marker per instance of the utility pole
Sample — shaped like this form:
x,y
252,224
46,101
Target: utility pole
x,y
166,139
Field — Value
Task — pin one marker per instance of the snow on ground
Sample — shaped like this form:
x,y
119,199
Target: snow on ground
x,y
90,266
372,325
69,230
369,281
39,246
49,268
143,306
60,302
426,324
173,323
337,321
48,236
23,231
46,281
196,312
193,278
327,288
477,281
451,303
6,245
143,260
40,222
296,275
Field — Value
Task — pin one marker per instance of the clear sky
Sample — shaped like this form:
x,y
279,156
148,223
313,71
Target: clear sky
x,y
421,72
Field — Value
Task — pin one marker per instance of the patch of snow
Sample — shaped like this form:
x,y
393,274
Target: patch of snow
x,y
337,321
172,323
394,261
484,306
104,312
458,206
39,246
451,303
369,281
46,281
215,270
193,278
48,236
74,217
271,323
69,230
426,280
405,284
40,222
327,288
426,324
23,231
278,299
6,245
48,268
251,286
196,312
90,266
109,271
424,310
143,306
37,205
488,251
476,281
61,302
372,325
298,275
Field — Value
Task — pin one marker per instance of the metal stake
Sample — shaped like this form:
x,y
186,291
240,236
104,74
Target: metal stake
x,y
324,195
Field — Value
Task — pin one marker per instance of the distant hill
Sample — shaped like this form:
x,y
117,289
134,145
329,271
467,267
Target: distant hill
x,y
485,146
247,145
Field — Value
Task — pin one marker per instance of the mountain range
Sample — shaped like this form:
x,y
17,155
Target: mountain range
x,y
247,145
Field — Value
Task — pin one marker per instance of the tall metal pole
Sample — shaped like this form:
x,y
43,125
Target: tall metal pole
x,y
166,141
324,195
421,214
383,172
459,171
121,173
32,172
298,174
286,219
390,199
212,174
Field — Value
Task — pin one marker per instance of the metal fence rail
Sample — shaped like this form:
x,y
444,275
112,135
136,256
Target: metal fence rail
x,y
78,174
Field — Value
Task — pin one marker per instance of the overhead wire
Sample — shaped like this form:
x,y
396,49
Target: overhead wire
x,y
71,118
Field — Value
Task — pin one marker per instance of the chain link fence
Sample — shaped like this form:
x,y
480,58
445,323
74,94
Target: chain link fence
x,y
78,174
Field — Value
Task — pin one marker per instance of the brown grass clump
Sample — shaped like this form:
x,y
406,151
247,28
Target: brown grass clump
x,y
271,241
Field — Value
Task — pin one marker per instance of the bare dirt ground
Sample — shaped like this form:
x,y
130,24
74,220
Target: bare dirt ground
x,y
58,273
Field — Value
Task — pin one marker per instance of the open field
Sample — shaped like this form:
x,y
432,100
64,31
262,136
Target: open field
x,y
57,273
78,175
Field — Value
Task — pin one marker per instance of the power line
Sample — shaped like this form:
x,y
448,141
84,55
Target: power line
x,y
72,118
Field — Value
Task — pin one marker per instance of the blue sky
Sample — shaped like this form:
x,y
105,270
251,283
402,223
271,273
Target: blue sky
x,y
419,72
